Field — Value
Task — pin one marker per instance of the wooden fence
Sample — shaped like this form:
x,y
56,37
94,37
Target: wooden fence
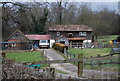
x,y
7,64
16,45
98,60
100,63
94,45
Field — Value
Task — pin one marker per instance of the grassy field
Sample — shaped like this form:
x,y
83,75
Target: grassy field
x,y
90,51
25,56
94,52
107,38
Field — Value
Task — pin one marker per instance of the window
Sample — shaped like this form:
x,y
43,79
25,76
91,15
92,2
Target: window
x,y
58,33
82,33
43,41
13,45
70,34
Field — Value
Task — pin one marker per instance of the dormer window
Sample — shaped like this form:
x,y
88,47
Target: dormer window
x,y
58,33
82,33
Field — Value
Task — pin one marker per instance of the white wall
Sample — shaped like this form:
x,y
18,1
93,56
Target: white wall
x,y
51,42
87,41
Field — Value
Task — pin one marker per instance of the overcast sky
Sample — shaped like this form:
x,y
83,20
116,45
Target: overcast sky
x,y
100,5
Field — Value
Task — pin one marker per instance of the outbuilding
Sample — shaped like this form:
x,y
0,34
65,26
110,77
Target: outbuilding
x,y
17,41
40,41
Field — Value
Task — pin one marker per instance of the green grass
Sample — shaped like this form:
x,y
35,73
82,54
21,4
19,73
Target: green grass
x,y
25,56
107,38
88,52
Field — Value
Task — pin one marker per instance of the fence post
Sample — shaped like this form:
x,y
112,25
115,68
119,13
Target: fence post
x,y
3,56
52,71
99,61
74,55
80,65
77,45
91,63
42,53
111,59
70,56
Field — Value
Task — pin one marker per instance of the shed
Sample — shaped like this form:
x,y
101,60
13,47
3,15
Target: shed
x,y
17,41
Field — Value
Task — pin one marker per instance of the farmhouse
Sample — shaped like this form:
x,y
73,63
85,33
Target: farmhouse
x,y
71,33
18,41
40,40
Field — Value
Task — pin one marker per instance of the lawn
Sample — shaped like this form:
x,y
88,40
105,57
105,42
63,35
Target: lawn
x,y
88,52
107,38
25,56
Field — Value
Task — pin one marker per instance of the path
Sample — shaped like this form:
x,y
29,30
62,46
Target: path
x,y
72,69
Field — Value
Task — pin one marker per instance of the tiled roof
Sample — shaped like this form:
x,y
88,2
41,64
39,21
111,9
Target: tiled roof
x,y
70,28
38,37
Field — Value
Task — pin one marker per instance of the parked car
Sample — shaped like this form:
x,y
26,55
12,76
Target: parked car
x,y
43,44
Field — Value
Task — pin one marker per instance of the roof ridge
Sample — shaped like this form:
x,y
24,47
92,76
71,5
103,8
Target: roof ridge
x,y
17,30
70,28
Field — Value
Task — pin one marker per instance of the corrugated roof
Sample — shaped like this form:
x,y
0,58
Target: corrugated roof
x,y
38,37
70,28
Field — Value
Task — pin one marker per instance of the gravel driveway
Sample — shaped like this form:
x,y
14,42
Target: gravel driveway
x,y
72,69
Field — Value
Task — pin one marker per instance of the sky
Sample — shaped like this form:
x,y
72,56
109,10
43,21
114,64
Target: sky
x,y
62,0
100,5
